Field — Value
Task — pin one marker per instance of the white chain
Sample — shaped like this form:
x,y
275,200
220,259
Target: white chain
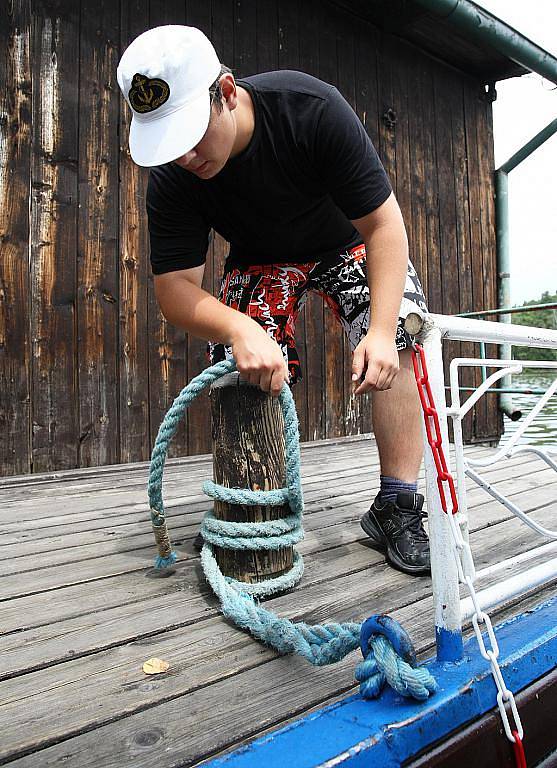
x,y
467,576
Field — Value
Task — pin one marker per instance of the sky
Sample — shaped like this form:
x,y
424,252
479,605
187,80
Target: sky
x,y
523,107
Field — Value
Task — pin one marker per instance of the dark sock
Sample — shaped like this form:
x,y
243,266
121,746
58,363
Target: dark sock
x,y
390,486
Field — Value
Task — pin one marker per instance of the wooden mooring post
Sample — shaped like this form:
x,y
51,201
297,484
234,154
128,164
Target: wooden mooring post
x,y
248,452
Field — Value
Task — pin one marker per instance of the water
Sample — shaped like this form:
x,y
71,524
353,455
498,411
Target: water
x,y
543,431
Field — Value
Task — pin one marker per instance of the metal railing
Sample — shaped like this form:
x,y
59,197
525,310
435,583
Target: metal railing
x,y
452,562
430,330
506,390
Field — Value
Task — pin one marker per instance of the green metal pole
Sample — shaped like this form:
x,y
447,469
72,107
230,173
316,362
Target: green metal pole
x,y
503,246
530,146
504,274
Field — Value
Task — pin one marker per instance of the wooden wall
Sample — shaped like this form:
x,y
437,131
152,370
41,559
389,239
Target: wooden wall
x,y
87,365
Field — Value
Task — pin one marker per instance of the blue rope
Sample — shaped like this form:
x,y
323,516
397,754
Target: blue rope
x,y
319,643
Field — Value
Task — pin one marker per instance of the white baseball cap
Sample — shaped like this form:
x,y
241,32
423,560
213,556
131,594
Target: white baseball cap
x,y
165,75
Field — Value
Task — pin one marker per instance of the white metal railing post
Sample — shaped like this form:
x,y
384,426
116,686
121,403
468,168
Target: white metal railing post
x,y
444,571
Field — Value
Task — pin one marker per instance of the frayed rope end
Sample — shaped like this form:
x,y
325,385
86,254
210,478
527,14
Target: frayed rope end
x,y
165,562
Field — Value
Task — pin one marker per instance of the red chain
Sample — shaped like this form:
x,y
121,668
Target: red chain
x,y
443,475
431,419
518,747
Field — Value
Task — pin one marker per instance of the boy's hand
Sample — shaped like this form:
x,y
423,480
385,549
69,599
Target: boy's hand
x,y
377,357
259,358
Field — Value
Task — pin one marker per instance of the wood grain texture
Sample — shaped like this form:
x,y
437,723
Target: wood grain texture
x,y
167,344
98,224
313,365
248,452
133,252
89,366
74,690
53,235
330,49
15,173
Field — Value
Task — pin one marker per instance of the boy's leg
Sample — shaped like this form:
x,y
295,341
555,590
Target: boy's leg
x,y
394,521
396,418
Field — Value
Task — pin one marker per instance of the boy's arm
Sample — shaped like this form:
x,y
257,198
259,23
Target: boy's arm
x,y
386,245
185,304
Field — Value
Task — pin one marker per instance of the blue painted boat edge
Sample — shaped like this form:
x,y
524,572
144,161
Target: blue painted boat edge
x,y
392,729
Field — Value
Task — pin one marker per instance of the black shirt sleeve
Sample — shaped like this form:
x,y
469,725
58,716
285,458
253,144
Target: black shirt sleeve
x,y
178,233
349,164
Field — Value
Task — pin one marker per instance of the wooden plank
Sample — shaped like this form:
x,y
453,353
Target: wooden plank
x,y
222,36
245,30
186,471
199,14
52,478
367,109
433,270
162,611
134,271
443,81
313,364
115,673
346,80
485,241
400,64
52,534
53,234
97,273
418,179
329,513
76,505
183,527
333,336
477,302
60,546
68,602
284,24
121,508
192,604
15,171
385,102
268,43
494,418
174,472
167,344
33,520
462,234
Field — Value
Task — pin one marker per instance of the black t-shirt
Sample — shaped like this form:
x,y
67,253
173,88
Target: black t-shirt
x,y
309,168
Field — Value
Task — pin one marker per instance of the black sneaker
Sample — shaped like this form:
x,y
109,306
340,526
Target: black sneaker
x,y
397,530
198,542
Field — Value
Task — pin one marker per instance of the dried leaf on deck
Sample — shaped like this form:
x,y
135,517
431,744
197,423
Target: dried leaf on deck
x,y
155,666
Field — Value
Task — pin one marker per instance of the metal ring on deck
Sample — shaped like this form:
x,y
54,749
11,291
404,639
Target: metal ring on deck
x,y
381,624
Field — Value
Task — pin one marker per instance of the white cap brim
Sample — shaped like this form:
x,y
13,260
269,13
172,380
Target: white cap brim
x,y
155,142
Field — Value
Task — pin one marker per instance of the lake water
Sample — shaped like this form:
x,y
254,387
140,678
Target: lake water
x,y
543,431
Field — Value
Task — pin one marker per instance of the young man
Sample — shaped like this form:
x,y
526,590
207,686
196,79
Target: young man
x,y
281,167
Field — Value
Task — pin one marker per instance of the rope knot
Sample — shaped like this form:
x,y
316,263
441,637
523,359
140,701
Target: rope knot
x,y
390,657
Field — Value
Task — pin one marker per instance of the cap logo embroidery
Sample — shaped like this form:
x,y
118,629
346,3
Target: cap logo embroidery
x,y
148,93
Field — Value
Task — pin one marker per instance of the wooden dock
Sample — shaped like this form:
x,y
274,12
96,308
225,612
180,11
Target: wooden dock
x,y
82,608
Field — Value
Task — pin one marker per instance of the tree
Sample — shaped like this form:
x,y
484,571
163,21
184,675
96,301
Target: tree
x,y
539,318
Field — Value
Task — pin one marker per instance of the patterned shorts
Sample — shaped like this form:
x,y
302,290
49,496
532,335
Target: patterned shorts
x,y
274,294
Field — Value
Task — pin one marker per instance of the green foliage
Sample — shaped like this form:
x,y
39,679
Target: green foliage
x,y
539,318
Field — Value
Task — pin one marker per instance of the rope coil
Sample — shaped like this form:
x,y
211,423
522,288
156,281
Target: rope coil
x,y
320,644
